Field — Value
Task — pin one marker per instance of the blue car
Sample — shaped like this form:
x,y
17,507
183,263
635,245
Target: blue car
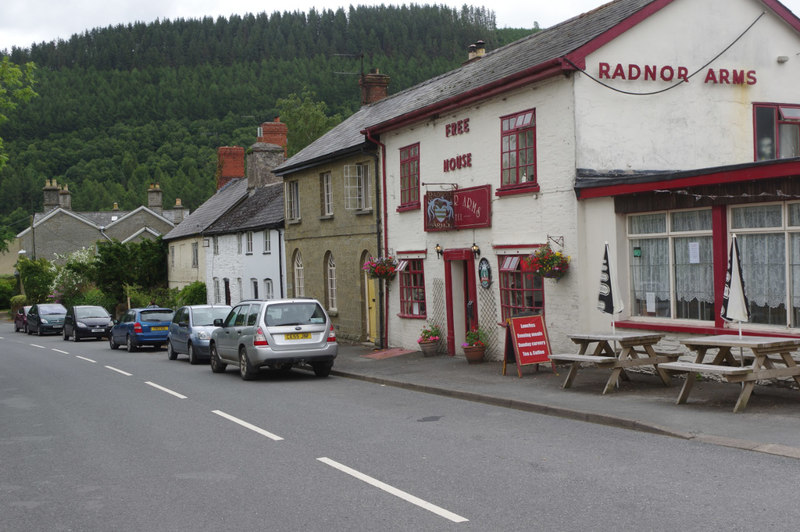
x,y
141,326
190,331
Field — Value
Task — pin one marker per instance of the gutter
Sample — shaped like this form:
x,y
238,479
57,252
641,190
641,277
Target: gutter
x,y
383,302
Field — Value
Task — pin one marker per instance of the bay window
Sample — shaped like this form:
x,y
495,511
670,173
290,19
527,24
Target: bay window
x,y
412,288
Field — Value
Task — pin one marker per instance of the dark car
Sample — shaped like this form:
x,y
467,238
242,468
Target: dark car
x,y
46,318
86,321
190,331
21,319
141,326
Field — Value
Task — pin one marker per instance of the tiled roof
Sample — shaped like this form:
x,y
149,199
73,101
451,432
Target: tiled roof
x,y
514,59
262,209
210,211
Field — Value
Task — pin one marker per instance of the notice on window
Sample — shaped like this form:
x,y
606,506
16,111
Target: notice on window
x,y
650,298
694,252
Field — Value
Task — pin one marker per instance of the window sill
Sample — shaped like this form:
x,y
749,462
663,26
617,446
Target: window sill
x,y
326,217
527,188
249,253
332,312
266,253
362,212
293,221
413,316
409,207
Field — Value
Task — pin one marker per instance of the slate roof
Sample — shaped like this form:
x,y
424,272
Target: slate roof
x,y
496,66
262,209
209,212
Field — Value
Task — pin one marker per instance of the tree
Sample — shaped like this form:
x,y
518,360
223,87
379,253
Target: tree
x,y
16,86
306,119
37,278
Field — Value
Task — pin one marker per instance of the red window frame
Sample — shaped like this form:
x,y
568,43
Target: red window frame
x,y
781,114
518,153
409,176
412,288
520,290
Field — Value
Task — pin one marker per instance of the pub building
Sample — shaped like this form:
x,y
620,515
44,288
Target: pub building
x,y
661,127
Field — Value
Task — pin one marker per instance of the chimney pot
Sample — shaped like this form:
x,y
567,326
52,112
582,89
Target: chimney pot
x,y
374,86
275,132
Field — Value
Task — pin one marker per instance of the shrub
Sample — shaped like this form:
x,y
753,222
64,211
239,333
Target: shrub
x,y
17,302
37,278
8,287
193,294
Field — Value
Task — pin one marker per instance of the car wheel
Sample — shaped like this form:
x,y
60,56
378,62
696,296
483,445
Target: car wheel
x,y
111,343
75,336
171,354
129,344
217,366
190,351
27,331
246,370
322,369
38,331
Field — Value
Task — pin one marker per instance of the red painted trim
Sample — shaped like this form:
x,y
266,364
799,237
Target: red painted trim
x,y
783,13
448,303
409,207
518,189
699,329
515,246
412,316
770,170
458,254
719,238
420,252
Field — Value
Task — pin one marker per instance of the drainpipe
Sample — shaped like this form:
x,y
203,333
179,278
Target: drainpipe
x,y
378,225
280,260
384,307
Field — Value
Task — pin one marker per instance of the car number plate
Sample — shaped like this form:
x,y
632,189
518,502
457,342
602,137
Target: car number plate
x,y
98,330
159,328
298,336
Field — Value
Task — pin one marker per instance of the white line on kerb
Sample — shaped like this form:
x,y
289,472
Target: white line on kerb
x,y
156,386
120,371
441,512
60,351
86,359
247,425
39,346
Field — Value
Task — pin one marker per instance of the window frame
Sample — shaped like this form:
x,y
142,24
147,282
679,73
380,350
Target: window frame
x,y
330,281
357,190
508,130
326,194
777,120
215,244
248,243
254,287
269,291
299,275
410,179
267,242
195,255
510,270
411,272
293,201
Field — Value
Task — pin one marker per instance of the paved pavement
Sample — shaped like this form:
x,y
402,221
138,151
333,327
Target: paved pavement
x,y
769,424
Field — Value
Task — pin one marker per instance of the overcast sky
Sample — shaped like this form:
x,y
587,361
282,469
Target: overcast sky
x,y
24,22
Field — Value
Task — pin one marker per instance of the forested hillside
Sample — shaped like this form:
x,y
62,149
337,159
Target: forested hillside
x,y
124,106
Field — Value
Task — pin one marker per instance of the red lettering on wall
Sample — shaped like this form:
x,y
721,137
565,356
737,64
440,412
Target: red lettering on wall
x,y
751,77
604,69
667,73
634,71
737,77
723,76
456,128
619,72
650,72
456,163
711,76
683,73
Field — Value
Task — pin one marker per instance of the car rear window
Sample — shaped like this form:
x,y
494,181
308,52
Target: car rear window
x,y
157,315
294,314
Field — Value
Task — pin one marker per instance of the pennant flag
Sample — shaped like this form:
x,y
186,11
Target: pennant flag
x,y
608,301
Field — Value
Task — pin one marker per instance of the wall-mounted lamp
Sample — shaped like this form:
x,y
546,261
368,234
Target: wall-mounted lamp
x,y
782,59
438,250
476,250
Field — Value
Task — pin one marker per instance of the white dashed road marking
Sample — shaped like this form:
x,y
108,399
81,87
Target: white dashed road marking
x,y
120,371
39,346
167,390
60,351
247,425
86,359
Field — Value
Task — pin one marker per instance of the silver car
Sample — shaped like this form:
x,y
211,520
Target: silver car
x,y
278,334
190,331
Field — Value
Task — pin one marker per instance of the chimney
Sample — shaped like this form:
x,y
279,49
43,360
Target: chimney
x,y
154,197
115,207
475,51
374,86
178,212
472,52
65,198
480,48
262,159
230,164
50,195
275,132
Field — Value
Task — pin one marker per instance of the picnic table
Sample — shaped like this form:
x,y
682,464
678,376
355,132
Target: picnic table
x,y
635,350
760,365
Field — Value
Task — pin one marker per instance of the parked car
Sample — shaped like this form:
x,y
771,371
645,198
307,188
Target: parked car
x,y
46,318
190,331
277,334
86,321
141,326
21,319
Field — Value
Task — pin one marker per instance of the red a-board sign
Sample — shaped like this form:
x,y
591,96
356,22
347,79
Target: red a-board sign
x,y
526,342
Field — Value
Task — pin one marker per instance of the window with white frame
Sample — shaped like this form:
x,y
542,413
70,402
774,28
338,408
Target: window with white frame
x,y
299,279
172,256
268,291
240,284
254,284
326,193
356,187
195,255
216,290
248,243
292,200
215,244
330,281
267,241
412,288
671,260
520,290
777,131
239,243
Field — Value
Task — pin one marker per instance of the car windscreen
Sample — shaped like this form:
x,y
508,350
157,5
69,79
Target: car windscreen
x,y
91,312
206,316
52,309
294,314
157,315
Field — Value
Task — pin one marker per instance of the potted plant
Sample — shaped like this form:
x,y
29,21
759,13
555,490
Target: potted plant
x,y
381,267
475,345
545,262
429,339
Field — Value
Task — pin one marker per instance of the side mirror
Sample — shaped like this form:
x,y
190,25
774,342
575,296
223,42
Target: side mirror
x,y
218,322
183,324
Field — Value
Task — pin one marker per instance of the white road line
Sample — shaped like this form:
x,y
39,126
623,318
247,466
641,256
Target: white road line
x,y
156,386
86,359
60,351
120,371
247,425
441,512
39,346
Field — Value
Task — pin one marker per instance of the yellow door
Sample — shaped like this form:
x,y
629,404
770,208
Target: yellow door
x,y
372,309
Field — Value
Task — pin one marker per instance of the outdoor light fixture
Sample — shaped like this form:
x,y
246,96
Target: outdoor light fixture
x,y
476,250
438,250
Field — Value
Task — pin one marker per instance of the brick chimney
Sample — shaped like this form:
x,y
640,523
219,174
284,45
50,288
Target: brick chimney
x,y
230,164
275,132
374,86
65,198
178,212
154,198
50,191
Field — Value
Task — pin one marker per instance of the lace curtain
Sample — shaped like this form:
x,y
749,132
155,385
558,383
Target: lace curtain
x,y
763,257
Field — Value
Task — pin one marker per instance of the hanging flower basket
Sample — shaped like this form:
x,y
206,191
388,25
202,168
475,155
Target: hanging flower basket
x,y
381,267
545,262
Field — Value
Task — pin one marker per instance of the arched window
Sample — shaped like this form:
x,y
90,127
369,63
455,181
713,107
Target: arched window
x,y
268,293
330,280
299,281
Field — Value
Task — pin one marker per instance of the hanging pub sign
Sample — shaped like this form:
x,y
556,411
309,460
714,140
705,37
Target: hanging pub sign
x,y
485,273
466,208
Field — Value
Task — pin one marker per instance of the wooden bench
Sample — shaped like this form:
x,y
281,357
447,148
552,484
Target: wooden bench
x,y
695,367
592,359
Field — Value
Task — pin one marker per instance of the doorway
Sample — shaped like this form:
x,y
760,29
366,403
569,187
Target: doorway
x,y
460,295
